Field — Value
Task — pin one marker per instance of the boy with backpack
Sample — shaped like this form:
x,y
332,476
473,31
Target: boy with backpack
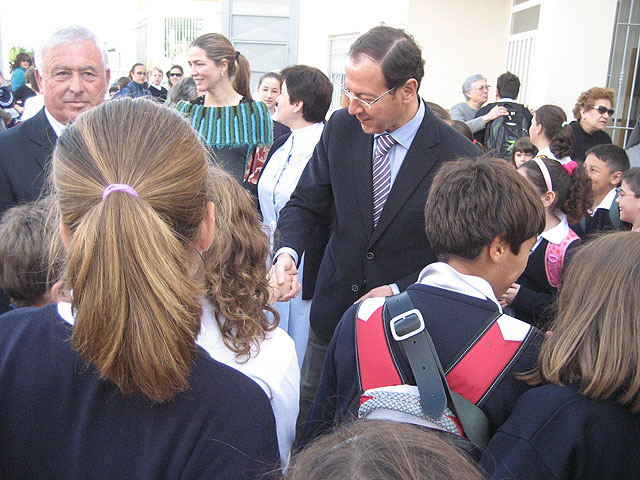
x,y
500,134
482,219
605,165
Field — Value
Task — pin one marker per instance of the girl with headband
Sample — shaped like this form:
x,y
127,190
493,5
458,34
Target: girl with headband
x,y
114,384
565,192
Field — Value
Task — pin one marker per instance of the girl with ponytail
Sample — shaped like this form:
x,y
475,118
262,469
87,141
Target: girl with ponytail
x,y
565,191
235,128
551,133
113,384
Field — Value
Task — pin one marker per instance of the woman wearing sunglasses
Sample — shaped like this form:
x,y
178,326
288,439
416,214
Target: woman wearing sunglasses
x,y
174,75
593,109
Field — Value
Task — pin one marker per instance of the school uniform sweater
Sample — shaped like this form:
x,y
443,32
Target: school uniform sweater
x,y
556,433
453,319
60,420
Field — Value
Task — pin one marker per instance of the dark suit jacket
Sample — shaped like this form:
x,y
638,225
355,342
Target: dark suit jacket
x,y
338,176
25,155
314,248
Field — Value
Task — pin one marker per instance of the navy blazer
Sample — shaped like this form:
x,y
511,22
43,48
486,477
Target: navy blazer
x,y
25,155
338,178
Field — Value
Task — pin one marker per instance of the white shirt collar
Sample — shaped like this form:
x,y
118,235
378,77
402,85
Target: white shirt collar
x,y
444,276
606,202
546,152
559,232
55,124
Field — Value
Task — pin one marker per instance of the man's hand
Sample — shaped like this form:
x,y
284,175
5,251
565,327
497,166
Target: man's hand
x,y
382,291
280,293
495,112
286,273
509,295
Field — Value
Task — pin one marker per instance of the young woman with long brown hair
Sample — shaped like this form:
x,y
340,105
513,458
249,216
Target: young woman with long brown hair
x,y
237,129
583,421
113,384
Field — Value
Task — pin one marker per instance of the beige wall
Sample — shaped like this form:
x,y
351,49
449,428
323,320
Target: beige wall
x,y
574,44
320,19
459,38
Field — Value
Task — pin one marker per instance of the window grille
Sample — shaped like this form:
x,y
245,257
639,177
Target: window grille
x,y
178,35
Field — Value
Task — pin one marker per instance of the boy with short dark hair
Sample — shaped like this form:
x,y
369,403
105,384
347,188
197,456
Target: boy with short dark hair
x,y
605,165
25,236
482,219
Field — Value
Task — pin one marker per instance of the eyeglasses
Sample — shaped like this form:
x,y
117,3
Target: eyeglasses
x,y
140,73
482,88
602,109
364,102
622,193
178,74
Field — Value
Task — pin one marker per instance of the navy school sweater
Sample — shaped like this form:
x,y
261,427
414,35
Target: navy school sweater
x,y
60,420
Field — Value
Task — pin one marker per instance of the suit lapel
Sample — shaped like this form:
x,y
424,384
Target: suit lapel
x,y
361,153
416,165
41,134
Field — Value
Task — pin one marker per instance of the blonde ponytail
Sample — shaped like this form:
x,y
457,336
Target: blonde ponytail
x,y
130,262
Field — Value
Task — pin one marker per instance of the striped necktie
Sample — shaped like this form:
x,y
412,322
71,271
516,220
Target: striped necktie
x,y
381,174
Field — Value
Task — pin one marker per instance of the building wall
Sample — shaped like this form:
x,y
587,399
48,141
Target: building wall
x,y
459,38
319,20
574,44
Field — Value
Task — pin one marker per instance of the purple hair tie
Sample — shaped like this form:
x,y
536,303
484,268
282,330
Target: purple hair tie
x,y
118,187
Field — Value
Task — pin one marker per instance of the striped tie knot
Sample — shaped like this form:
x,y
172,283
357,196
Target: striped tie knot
x,y
384,144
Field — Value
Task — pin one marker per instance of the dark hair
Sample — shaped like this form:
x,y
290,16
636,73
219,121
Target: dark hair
x,y
217,47
382,450
473,201
113,89
25,235
134,67
632,177
588,98
30,78
463,128
440,112
523,144
574,193
552,118
614,156
396,51
21,57
169,73
310,86
508,85
270,75
123,82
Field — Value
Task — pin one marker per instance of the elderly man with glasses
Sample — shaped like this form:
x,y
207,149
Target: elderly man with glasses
x,y
372,169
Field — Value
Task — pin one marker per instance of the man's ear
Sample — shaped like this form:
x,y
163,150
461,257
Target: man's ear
x,y
40,81
207,229
408,90
65,234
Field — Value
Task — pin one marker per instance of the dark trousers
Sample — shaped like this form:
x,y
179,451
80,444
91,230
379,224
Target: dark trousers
x,y
310,377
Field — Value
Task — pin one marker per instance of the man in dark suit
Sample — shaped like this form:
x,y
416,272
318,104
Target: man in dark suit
x,y
378,245
73,75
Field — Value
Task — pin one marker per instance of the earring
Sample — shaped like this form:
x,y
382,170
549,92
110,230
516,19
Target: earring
x,y
222,74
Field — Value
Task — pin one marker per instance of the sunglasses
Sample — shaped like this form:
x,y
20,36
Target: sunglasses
x,y
175,74
602,110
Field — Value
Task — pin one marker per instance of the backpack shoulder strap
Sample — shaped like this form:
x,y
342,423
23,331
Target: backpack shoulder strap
x,y
554,259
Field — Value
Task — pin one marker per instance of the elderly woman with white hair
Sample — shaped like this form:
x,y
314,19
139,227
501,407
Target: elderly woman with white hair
x,y
476,93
